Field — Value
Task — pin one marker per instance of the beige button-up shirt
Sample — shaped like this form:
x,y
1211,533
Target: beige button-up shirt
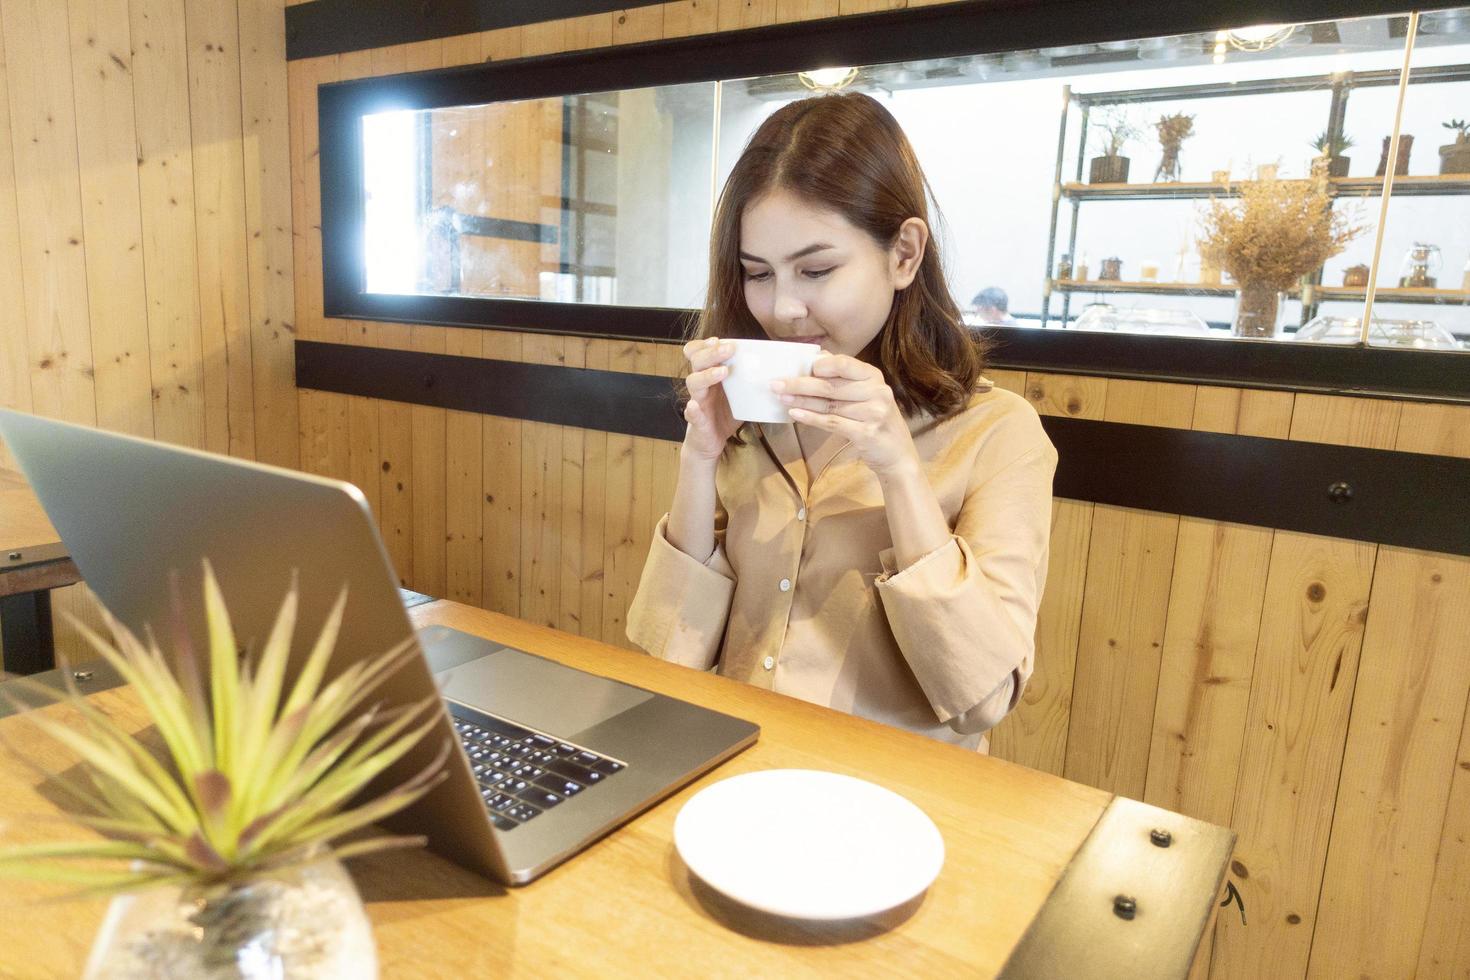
x,y
802,596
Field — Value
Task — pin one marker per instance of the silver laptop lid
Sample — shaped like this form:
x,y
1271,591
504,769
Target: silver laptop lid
x,y
133,512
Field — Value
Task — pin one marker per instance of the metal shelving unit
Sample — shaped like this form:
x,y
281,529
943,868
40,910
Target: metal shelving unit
x,y
1076,192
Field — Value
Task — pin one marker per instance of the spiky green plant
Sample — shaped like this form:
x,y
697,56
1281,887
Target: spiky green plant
x,y
252,777
1331,146
1461,128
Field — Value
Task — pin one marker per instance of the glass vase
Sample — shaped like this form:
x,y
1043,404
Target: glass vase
x,y
1258,310
304,922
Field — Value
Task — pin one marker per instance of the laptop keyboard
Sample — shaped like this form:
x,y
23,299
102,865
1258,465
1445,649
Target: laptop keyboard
x,y
523,773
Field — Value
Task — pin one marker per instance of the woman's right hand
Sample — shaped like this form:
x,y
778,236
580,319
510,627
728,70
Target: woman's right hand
x,y
708,412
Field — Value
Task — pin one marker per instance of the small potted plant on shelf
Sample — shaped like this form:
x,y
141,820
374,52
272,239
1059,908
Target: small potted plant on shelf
x,y
218,843
1276,232
1173,130
1454,158
1331,149
1117,128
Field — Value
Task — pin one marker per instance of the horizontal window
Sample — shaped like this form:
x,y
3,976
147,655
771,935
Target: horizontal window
x,y
1217,185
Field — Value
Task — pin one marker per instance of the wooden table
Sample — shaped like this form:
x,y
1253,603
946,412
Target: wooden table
x,y
629,906
33,561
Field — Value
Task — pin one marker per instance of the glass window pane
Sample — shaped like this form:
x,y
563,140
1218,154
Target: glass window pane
x,y
601,198
1124,250
1423,281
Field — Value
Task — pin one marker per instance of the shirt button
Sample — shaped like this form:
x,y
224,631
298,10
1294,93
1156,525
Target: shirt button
x,y
768,663
786,585
801,514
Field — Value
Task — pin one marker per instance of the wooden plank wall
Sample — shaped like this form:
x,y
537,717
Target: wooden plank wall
x,y
145,222
1309,692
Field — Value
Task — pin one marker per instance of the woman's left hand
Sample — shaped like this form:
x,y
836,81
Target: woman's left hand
x,y
850,398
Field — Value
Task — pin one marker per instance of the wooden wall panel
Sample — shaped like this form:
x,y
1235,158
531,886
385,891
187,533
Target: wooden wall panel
x,y
144,149
107,148
1317,597
430,442
170,242
1213,622
1130,564
48,203
265,141
15,372
1035,733
1404,732
1403,739
541,500
217,136
503,493
465,458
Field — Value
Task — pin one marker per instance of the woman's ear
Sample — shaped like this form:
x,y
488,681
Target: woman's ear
x,y
908,251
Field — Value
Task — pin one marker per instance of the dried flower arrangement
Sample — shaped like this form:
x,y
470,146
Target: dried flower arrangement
x,y
254,778
1118,126
1173,130
1277,232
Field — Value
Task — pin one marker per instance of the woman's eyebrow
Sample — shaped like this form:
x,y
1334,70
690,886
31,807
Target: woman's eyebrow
x,y
815,247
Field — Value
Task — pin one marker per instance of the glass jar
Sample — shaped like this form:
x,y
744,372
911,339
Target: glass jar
x,y
1420,268
1112,268
305,922
1064,266
1258,310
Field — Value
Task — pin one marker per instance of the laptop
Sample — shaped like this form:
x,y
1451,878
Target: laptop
x,y
553,757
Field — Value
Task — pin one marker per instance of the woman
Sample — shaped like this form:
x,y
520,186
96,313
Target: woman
x,y
886,553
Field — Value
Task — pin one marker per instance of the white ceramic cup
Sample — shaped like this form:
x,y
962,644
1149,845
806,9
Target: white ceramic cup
x,y
753,366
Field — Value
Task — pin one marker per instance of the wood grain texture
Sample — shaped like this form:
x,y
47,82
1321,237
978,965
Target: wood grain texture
x,y
48,205
1009,833
107,147
1035,732
688,17
464,479
265,141
430,443
735,15
1213,623
1403,736
395,485
15,373
541,499
216,131
1316,602
170,240
1444,950
1129,569
503,492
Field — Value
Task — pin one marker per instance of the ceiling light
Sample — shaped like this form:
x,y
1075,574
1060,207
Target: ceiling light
x,y
827,79
1259,37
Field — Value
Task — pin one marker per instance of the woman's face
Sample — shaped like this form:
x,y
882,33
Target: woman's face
x,y
813,277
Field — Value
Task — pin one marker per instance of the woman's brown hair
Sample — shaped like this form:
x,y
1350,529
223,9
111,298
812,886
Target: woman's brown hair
x,y
846,153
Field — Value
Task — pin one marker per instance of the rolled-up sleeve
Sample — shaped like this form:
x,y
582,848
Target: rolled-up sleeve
x,y
680,609
964,615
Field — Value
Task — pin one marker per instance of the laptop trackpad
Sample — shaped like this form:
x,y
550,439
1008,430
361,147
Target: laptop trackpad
x,y
537,692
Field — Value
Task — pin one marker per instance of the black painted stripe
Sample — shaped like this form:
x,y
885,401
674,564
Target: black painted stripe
x,y
1257,364
325,27
334,26
609,401
1412,500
